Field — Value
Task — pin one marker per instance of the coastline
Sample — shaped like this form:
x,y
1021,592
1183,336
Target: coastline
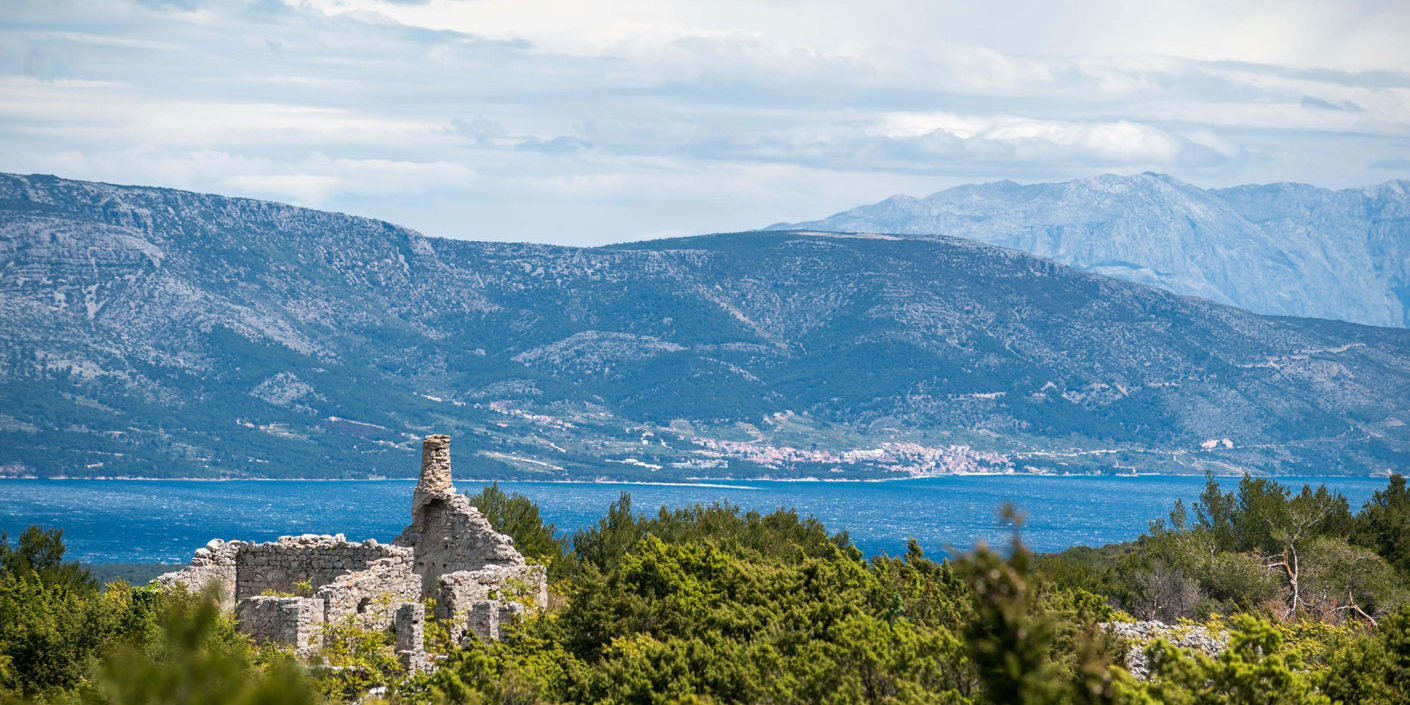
x,y
715,482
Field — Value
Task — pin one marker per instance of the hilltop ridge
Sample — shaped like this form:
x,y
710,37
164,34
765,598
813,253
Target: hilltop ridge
x,y
160,332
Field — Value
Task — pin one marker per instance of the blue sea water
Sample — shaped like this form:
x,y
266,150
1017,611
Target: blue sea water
x,y
131,521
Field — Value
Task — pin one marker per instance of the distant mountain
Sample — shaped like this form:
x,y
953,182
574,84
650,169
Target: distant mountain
x,y
156,332
1283,249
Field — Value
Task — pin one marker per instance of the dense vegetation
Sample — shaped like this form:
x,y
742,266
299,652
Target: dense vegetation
x,y
711,604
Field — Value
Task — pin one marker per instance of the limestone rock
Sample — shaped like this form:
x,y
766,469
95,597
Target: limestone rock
x,y
1139,635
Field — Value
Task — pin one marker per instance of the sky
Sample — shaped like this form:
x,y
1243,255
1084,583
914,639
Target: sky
x,y
585,123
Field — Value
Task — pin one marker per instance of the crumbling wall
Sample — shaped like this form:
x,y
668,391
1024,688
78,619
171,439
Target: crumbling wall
x,y
279,566
435,467
487,619
411,637
212,567
369,598
480,601
449,551
482,619
447,534
524,584
293,621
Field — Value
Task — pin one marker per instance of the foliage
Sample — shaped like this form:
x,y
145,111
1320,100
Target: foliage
x,y
62,639
197,659
1255,669
355,660
518,516
1008,643
714,604
1385,522
1258,549
39,553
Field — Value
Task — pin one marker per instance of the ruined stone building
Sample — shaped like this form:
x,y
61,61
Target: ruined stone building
x,y
285,591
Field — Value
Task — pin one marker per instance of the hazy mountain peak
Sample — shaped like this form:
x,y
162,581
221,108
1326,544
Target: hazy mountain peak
x,y
1285,248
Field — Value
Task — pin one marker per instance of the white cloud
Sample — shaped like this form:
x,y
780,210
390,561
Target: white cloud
x,y
585,123
316,180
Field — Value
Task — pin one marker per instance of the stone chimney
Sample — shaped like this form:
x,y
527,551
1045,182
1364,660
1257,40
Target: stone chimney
x,y
435,465
435,472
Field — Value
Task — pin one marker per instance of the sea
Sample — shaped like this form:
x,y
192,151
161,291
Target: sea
x,y
163,521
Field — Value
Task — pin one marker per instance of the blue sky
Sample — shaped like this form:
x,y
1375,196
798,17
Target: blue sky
x,y
592,122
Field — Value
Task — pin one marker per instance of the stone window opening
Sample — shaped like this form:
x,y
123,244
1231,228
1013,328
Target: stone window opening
x,y
363,604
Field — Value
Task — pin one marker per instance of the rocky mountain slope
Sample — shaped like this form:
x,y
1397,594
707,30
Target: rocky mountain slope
x,y
156,332
1284,249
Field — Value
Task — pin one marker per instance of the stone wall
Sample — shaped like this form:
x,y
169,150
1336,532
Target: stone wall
x,y
435,466
487,618
524,584
279,566
411,637
447,533
213,567
449,551
293,621
479,601
369,598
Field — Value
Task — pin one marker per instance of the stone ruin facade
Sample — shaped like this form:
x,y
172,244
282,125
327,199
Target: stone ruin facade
x,y
288,591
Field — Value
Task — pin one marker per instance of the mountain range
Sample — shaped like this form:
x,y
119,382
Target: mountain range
x,y
161,333
1283,249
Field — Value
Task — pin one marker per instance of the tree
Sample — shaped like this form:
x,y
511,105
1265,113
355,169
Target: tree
x,y
1214,512
1008,641
1384,524
39,553
1291,525
1164,593
518,517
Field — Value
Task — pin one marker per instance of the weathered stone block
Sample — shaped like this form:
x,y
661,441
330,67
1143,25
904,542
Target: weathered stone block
x,y
411,636
293,621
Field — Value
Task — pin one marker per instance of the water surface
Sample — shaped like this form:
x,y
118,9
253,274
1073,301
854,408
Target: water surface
x,y
132,521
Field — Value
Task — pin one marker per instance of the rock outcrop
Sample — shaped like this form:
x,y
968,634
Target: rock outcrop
x,y
288,591
1138,635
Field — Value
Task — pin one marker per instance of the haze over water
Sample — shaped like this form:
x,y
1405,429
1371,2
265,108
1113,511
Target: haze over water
x,y
140,521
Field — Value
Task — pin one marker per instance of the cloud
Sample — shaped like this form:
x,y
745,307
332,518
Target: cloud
x,y
479,130
666,116
1392,164
1318,104
483,132
316,180
557,145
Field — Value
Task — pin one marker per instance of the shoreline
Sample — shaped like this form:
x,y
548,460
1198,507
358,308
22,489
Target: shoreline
x,y
710,482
